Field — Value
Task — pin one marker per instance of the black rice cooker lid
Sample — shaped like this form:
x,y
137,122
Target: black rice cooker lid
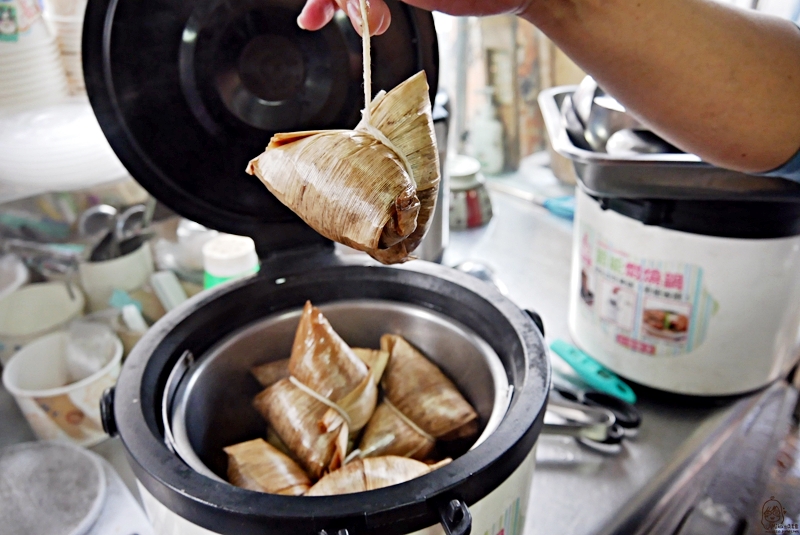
x,y
187,92
282,284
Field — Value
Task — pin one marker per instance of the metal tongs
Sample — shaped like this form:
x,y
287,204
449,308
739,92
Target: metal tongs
x,y
53,261
573,419
594,418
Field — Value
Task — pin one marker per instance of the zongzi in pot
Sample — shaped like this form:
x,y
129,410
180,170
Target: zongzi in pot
x,y
324,362
327,399
271,372
256,465
389,432
426,396
370,474
314,435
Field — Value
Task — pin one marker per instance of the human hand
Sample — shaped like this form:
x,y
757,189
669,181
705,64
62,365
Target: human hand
x,y
318,13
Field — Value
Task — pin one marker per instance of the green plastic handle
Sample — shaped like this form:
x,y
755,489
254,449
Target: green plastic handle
x,y
561,206
593,373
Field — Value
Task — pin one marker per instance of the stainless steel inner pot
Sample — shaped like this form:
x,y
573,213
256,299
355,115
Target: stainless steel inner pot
x,y
212,406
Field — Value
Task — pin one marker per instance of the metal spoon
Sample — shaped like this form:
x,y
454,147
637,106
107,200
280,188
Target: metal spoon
x,y
95,229
630,141
583,97
573,419
573,124
606,117
96,219
131,222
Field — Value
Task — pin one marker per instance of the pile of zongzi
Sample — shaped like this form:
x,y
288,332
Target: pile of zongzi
x,y
372,188
344,419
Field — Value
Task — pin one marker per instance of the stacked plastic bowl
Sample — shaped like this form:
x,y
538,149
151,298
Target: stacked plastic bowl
x,y
57,147
32,71
65,20
49,140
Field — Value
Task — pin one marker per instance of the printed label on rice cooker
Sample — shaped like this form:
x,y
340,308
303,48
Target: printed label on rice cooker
x,y
510,522
16,16
9,25
653,307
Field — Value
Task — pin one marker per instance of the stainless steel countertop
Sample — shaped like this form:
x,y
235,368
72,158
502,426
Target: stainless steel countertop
x,y
575,490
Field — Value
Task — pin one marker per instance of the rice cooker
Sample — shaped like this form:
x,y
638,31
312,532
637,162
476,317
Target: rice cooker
x,y
188,92
698,297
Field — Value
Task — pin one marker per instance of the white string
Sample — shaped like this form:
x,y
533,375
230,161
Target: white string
x,y
379,445
408,421
365,53
415,450
322,399
366,120
355,454
377,134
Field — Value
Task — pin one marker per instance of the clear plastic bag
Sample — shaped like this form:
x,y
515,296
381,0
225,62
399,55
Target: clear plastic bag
x,y
90,347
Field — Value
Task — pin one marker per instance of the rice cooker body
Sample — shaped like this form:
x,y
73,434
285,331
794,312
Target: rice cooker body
x,y
684,312
504,510
498,470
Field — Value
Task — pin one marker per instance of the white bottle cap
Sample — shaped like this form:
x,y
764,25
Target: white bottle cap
x,y
228,256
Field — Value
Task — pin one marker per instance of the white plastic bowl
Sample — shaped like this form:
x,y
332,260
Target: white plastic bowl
x,y
33,311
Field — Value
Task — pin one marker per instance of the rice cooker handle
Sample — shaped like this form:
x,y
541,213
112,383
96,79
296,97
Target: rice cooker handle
x,y
537,319
456,518
107,412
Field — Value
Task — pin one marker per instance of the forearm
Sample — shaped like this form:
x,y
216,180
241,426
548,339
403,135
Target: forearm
x,y
719,82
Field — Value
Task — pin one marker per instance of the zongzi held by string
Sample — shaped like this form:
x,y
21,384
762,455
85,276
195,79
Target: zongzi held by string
x,y
373,188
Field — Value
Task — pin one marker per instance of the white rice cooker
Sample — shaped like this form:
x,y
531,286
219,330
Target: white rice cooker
x,y
687,296
186,94
685,276
185,392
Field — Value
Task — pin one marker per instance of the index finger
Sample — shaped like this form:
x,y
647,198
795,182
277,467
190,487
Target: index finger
x,y
318,13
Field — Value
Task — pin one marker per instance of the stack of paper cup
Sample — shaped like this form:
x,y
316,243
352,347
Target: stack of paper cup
x,y
65,19
32,71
